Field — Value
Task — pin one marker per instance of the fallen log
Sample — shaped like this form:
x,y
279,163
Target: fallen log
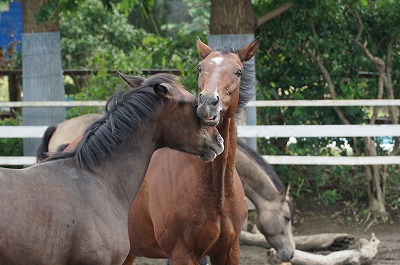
x,y
365,251
326,241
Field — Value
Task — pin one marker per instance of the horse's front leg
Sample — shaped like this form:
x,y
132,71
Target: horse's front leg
x,y
184,257
231,256
129,260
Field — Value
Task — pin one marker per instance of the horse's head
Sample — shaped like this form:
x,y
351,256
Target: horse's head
x,y
179,126
275,224
180,118
220,74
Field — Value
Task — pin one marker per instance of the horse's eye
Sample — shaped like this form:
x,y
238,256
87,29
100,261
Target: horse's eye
x,y
199,69
239,73
287,219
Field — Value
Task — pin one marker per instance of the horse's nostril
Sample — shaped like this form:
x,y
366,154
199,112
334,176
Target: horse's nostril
x,y
216,101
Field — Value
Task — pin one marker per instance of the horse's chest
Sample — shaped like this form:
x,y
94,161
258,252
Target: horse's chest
x,y
224,227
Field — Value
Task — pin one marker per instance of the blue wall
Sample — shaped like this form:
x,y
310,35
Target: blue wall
x,y
11,25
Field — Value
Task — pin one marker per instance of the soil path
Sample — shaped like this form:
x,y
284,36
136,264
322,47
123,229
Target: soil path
x,y
320,220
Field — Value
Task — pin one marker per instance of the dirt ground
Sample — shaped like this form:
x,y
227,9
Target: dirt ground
x,y
320,219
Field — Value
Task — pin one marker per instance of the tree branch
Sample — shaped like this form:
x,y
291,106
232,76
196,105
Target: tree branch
x,y
274,13
379,63
318,62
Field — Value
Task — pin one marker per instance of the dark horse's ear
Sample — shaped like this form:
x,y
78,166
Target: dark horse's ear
x,y
163,89
132,81
249,50
203,49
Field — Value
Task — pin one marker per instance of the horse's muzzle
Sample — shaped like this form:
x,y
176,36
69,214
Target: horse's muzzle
x,y
209,109
284,255
213,150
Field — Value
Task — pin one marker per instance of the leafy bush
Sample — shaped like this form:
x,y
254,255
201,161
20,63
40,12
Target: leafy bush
x,y
11,146
97,39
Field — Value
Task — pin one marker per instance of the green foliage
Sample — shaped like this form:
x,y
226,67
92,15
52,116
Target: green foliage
x,y
329,196
393,188
96,38
286,70
46,12
11,146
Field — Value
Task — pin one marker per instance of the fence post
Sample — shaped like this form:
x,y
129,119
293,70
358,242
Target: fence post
x,y
42,80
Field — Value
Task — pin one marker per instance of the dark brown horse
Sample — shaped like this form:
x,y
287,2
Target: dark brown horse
x,y
187,209
73,209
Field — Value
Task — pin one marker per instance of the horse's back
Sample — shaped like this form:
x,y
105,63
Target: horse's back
x,y
70,129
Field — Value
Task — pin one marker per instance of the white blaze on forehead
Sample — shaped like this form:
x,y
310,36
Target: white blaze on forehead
x,y
216,60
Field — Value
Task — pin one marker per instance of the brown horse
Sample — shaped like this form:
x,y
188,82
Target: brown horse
x,y
73,208
187,209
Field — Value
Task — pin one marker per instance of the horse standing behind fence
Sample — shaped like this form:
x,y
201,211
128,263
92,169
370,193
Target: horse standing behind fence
x,y
73,209
63,133
187,209
273,205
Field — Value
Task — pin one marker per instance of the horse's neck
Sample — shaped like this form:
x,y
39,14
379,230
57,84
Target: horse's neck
x,y
221,170
124,171
256,182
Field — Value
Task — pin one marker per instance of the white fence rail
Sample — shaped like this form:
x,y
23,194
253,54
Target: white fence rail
x,y
248,131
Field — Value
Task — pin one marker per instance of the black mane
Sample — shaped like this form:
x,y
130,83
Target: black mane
x,y
126,109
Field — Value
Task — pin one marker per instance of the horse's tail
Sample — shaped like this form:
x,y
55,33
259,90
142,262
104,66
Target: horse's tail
x,y
41,153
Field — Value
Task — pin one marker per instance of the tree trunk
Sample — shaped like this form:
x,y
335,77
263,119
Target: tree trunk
x,y
376,182
14,90
42,78
377,174
318,242
232,17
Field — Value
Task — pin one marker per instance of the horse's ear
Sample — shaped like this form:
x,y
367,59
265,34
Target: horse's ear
x,y
284,194
132,81
203,49
287,196
249,50
163,90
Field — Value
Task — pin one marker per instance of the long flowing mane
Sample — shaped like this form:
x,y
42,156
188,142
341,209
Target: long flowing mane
x,y
247,83
126,109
